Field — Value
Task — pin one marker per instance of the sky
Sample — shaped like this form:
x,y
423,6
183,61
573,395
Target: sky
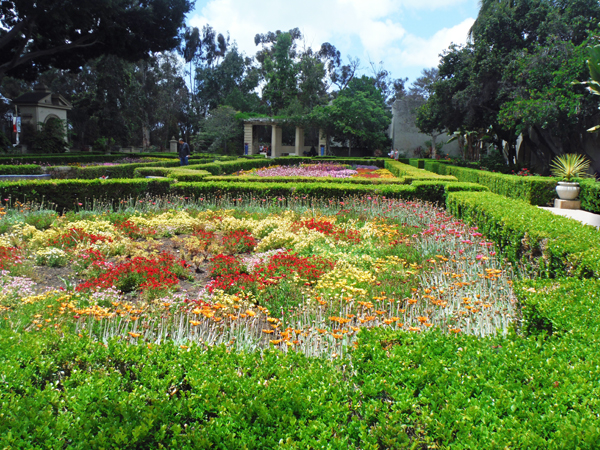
x,y
405,36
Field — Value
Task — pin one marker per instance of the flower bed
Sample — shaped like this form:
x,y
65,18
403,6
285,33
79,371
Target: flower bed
x,y
325,274
333,170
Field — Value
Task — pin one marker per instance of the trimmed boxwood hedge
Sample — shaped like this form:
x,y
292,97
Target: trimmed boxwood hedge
x,y
177,173
66,194
552,244
410,173
25,169
590,195
534,190
562,305
433,192
256,179
116,171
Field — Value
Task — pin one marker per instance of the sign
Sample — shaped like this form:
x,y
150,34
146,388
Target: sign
x,y
18,125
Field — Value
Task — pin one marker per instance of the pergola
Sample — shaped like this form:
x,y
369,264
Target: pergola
x,y
251,146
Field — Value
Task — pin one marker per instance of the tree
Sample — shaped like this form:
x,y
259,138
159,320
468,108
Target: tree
x,y
280,72
35,36
220,127
513,76
358,115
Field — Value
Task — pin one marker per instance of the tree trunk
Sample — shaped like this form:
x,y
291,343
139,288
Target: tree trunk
x,y
145,136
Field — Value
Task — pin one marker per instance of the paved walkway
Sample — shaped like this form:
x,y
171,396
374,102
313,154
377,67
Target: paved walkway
x,y
585,217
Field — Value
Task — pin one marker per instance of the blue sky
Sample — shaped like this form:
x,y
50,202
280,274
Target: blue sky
x,y
406,35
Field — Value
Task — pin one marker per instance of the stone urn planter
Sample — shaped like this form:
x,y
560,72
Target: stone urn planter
x,y
567,190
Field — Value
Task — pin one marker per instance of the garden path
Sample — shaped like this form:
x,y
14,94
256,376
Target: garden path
x,y
585,217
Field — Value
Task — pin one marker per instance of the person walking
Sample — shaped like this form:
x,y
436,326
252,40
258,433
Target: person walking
x,y
184,152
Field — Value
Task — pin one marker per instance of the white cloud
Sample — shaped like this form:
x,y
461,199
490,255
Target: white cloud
x,y
371,30
417,51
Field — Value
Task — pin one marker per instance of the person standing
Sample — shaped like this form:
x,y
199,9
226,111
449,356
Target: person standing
x,y
184,152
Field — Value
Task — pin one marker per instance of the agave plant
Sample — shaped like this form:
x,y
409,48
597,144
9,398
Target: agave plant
x,y
570,166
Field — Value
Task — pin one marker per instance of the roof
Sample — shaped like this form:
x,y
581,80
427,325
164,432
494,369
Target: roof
x,y
43,97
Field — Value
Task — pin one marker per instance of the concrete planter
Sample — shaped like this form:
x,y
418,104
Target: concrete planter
x,y
567,190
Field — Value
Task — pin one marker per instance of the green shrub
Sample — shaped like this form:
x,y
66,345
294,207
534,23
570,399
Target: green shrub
x,y
436,191
117,171
590,195
534,190
418,163
256,179
474,393
429,192
410,173
24,169
552,244
67,158
563,305
67,194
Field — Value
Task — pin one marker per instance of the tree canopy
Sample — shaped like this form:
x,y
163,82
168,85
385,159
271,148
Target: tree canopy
x,y
358,116
515,77
63,34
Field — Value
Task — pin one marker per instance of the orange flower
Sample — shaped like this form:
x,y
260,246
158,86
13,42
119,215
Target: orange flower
x,y
267,331
134,335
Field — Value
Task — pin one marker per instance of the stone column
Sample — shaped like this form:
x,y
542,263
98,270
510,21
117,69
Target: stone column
x,y
172,145
276,135
322,150
248,139
255,148
299,141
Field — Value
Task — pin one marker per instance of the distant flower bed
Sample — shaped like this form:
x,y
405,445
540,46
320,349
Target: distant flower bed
x,y
320,170
126,160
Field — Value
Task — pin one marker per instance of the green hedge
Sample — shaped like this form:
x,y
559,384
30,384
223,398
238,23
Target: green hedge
x,y
24,169
590,195
256,179
67,158
567,306
418,163
66,194
554,245
405,390
437,192
534,190
433,192
466,392
116,171
410,173
177,173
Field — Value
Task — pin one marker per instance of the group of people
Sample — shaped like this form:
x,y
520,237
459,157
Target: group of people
x,y
394,154
311,152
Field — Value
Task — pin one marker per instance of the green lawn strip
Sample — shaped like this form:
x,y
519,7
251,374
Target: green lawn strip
x,y
553,244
